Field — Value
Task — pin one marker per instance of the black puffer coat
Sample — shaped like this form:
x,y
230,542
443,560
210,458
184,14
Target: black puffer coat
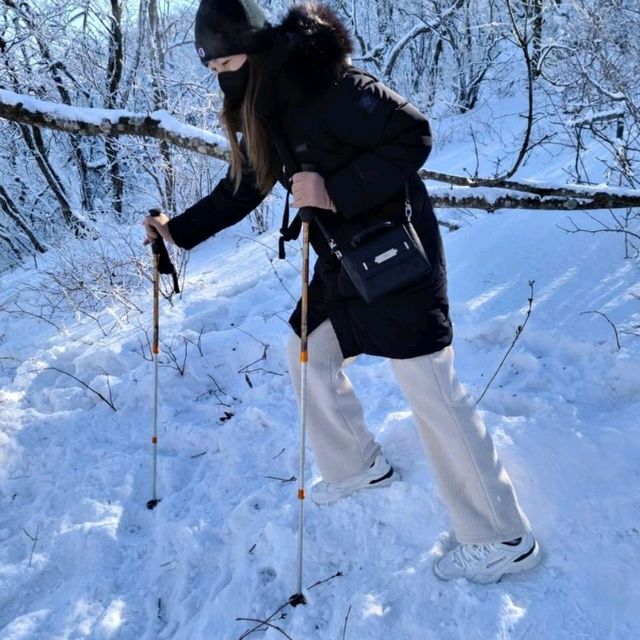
x,y
366,141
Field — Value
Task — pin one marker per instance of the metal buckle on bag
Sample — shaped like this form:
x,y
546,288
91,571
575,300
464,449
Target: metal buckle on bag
x,y
407,209
334,248
407,202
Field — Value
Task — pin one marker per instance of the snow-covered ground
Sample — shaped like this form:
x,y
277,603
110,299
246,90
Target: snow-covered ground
x,y
75,475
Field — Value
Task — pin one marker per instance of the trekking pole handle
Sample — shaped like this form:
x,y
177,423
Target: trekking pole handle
x,y
157,245
159,249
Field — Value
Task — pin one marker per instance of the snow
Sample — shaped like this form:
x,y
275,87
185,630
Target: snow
x,y
221,545
94,116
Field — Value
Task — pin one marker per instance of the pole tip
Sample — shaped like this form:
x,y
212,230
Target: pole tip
x,y
152,504
296,599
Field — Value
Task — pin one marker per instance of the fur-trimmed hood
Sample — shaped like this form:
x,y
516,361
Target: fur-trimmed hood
x,y
316,48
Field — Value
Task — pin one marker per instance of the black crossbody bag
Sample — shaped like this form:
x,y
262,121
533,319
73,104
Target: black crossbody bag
x,y
384,258
381,259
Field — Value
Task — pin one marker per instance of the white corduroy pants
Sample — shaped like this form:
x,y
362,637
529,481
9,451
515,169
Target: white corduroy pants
x,y
474,486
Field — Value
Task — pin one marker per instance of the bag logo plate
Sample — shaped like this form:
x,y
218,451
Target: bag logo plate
x,y
387,255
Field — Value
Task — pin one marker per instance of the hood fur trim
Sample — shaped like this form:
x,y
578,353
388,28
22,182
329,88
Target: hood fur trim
x,y
318,46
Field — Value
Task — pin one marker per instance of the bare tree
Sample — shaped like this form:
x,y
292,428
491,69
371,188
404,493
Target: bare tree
x,y
114,76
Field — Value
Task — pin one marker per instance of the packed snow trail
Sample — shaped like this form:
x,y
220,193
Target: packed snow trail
x,y
221,544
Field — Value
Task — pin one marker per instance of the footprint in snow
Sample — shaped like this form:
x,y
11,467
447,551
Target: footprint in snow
x,y
267,575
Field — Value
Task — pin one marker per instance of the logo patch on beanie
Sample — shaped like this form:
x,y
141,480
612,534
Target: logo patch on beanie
x,y
201,52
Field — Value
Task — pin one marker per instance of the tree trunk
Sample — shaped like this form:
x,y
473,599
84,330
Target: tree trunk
x,y
36,144
384,12
9,242
157,50
114,76
9,207
56,69
538,22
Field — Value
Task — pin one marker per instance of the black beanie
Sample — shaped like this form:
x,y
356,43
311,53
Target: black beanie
x,y
226,27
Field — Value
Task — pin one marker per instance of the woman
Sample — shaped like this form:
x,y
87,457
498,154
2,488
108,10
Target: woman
x,y
292,94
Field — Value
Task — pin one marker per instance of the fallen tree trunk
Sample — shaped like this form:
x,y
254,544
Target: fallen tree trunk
x,y
531,186
476,193
484,199
113,122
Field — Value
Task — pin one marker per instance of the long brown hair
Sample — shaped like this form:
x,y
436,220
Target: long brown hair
x,y
246,121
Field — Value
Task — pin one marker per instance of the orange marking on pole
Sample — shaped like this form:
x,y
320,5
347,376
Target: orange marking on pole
x,y
156,350
154,440
300,494
304,357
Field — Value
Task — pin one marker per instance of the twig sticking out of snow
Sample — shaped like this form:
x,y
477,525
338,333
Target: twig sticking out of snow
x,y
109,401
283,480
338,574
266,622
346,619
34,539
519,331
606,317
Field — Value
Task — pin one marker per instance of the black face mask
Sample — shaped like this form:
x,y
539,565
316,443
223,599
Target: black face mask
x,y
234,84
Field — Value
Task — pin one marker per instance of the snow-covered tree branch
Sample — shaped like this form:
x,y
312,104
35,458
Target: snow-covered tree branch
x,y
487,199
109,122
477,193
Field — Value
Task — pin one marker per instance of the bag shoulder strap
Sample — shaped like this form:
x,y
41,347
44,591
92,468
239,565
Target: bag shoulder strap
x,y
333,245
408,211
288,231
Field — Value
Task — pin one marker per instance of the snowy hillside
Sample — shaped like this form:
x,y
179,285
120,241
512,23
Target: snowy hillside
x,y
221,544
537,92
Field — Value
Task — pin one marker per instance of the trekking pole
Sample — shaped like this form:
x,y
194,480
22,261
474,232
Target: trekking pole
x,y
306,215
161,264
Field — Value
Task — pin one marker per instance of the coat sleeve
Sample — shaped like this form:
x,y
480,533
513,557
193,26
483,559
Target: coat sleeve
x,y
393,136
222,208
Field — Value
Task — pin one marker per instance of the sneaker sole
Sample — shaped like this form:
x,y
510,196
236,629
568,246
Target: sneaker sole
x,y
380,483
530,559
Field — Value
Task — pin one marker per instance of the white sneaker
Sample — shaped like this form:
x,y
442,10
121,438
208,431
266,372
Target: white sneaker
x,y
379,474
487,563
